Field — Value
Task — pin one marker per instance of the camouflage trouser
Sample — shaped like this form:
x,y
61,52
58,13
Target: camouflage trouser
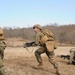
x,y
3,71
2,68
50,54
2,48
1,53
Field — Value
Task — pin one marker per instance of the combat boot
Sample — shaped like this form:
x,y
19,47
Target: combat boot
x,y
39,66
57,71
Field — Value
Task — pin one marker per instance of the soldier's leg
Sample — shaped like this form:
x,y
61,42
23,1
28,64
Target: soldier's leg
x,y
51,60
2,54
3,70
50,54
38,53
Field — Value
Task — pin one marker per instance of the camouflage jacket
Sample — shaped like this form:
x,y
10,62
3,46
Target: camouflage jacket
x,y
2,44
38,36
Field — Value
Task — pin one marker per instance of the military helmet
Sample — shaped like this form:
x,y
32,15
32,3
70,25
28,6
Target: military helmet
x,y
37,26
1,34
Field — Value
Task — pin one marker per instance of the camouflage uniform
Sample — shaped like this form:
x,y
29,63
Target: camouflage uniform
x,y
72,56
44,49
2,48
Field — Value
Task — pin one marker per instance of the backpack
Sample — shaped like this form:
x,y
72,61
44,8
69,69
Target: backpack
x,y
47,33
48,36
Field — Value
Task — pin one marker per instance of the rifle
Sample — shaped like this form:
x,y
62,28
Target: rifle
x,y
28,45
64,56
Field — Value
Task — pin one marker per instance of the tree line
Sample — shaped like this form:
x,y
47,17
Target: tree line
x,y
63,33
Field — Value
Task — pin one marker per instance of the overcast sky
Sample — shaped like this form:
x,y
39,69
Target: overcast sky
x,y
24,13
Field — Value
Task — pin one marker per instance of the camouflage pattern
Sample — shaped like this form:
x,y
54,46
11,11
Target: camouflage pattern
x,y
50,55
72,56
3,71
37,37
2,48
48,48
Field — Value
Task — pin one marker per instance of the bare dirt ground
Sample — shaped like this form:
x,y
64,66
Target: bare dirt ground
x,y
20,62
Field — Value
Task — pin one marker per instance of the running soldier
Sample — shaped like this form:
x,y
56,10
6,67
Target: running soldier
x,y
45,47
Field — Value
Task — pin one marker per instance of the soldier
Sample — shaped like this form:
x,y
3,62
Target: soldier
x,y
2,48
47,47
72,56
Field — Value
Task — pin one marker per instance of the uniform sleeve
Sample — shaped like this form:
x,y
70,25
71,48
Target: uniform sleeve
x,y
38,36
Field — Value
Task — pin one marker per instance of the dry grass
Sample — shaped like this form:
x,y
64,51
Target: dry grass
x,y
20,62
